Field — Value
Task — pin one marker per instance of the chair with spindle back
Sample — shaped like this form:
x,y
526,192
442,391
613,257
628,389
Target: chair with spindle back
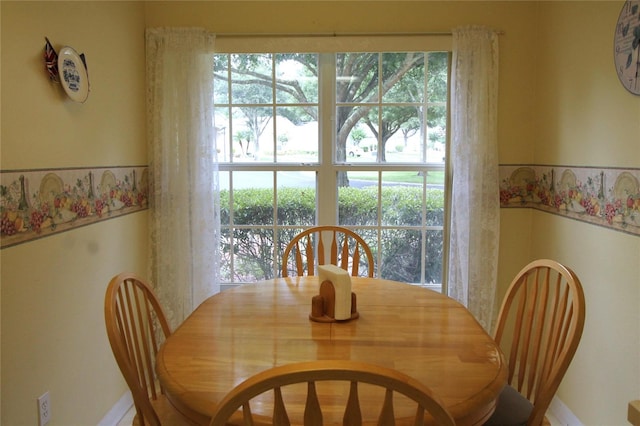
x,y
323,245
539,327
136,327
237,402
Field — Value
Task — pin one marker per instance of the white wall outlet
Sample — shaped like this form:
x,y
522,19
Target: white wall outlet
x,y
44,409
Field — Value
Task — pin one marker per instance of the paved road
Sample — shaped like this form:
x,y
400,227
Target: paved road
x,y
293,179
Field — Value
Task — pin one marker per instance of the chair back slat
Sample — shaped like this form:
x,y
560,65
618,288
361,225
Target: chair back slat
x,y
327,245
525,351
130,312
518,328
280,416
298,254
247,418
146,349
554,336
321,251
568,320
356,260
388,380
387,416
312,411
541,321
311,259
419,417
552,340
345,254
538,331
334,247
352,413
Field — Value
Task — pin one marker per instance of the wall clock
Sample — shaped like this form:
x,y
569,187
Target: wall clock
x,y
626,46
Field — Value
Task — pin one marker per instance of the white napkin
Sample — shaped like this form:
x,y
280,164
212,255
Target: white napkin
x,y
341,281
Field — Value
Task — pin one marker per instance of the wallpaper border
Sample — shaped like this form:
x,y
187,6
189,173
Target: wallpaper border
x,y
603,196
42,202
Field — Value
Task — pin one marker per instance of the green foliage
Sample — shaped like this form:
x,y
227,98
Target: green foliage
x,y
253,215
296,206
402,78
357,134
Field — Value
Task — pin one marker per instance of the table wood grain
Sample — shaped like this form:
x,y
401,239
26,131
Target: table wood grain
x,y
241,331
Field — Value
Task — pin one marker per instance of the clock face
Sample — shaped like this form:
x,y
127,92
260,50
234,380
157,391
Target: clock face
x,y
626,46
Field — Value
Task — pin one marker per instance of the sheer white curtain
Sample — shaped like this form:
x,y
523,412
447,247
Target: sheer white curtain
x,y
475,207
184,202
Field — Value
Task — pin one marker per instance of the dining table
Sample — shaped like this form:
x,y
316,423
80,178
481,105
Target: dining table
x,y
241,331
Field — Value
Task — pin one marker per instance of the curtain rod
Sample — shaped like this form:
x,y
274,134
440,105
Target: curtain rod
x,y
310,35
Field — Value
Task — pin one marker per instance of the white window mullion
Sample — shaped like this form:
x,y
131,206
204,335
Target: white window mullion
x,y
326,213
294,165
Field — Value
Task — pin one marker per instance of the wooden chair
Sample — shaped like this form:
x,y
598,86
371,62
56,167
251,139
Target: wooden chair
x,y
276,379
333,244
136,327
539,327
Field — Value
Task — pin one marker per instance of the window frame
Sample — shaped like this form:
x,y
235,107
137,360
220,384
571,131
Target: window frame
x,y
326,168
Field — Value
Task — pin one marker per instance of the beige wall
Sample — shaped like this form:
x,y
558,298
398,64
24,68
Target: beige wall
x,y
585,117
560,103
53,335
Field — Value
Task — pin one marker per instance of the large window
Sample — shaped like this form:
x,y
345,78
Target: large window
x,y
356,139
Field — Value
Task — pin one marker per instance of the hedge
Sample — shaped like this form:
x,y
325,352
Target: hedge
x,y
253,233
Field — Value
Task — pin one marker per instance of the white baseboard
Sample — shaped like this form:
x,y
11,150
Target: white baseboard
x,y
117,412
562,413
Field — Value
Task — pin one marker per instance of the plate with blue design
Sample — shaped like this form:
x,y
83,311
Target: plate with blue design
x,y
73,74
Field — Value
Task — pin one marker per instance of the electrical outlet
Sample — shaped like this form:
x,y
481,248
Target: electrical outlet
x,y
44,409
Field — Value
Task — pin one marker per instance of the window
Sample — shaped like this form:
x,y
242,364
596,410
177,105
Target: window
x,y
349,137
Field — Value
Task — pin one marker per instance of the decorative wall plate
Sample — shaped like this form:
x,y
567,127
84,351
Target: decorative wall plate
x,y
73,74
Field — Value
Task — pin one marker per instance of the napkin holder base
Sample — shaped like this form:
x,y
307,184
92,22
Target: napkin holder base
x,y
323,305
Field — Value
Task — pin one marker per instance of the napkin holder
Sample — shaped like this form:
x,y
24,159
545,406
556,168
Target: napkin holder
x,y
336,302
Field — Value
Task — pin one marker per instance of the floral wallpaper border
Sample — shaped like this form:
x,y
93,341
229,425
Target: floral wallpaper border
x,y
39,203
608,197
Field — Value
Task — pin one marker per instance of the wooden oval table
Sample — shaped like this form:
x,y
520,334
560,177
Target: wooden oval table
x,y
239,332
